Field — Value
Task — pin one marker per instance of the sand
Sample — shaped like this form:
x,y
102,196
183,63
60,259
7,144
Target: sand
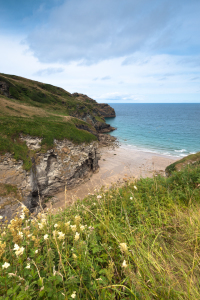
x,y
116,166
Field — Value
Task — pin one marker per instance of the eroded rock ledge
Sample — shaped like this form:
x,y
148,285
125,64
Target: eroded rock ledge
x,y
66,165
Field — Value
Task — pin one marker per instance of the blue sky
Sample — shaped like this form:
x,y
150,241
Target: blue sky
x,y
112,50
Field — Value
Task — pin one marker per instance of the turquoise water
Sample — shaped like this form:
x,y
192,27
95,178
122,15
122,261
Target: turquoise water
x,y
169,129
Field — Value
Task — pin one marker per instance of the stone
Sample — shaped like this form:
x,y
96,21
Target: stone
x,y
64,165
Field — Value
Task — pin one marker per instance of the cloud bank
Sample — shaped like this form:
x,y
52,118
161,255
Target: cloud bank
x,y
89,31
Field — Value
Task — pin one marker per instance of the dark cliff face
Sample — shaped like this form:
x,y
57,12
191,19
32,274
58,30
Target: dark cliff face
x,y
106,110
95,116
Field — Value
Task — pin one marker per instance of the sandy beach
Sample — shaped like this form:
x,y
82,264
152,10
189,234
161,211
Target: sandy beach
x,y
116,166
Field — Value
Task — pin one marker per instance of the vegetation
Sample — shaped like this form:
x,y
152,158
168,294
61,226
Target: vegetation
x,y
138,241
179,164
40,110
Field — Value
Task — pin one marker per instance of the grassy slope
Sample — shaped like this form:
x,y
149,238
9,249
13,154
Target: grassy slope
x,y
39,110
178,165
157,219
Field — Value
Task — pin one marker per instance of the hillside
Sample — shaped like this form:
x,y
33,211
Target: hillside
x,y
138,241
43,110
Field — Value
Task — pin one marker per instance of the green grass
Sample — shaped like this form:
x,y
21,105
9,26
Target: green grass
x,y
157,219
49,128
193,158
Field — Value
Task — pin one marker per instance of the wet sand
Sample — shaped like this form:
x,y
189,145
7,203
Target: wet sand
x,y
116,166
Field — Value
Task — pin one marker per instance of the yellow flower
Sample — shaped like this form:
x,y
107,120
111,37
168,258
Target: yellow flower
x,y
74,256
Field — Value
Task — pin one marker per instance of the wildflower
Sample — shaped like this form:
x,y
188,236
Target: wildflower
x,y
36,251
40,225
3,233
73,228
77,219
28,266
1,217
99,197
20,234
99,279
73,295
67,224
19,251
6,265
61,235
124,264
131,198
123,247
46,237
76,236
22,216
82,227
135,187
74,256
94,203
56,225
16,247
29,235
43,221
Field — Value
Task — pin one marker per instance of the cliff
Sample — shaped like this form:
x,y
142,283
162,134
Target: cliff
x,y
48,140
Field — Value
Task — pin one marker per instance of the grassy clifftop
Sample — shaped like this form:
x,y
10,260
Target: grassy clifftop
x,y
37,109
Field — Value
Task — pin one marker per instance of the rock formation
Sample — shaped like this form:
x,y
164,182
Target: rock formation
x,y
66,165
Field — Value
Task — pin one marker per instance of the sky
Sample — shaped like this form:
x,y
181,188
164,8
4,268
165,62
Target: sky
x,y
114,51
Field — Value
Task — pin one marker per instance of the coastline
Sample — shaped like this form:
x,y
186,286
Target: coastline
x,y
117,165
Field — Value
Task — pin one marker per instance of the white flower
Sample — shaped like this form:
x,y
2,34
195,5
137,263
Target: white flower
x,y
99,197
67,224
43,221
19,251
40,225
73,228
135,187
1,217
3,233
16,247
82,227
28,266
73,295
123,247
94,203
20,234
74,256
22,216
76,236
61,235
36,251
29,235
131,198
124,264
6,265
77,219
56,225
46,237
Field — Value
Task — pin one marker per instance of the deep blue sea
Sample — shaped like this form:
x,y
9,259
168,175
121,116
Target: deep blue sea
x,y
169,129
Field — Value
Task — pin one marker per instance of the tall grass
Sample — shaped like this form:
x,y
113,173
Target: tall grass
x,y
138,241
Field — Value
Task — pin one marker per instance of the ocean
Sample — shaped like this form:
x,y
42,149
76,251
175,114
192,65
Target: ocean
x,y
169,129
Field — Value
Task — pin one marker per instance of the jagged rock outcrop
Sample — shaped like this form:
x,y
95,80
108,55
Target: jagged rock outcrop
x,y
66,164
106,110
98,113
